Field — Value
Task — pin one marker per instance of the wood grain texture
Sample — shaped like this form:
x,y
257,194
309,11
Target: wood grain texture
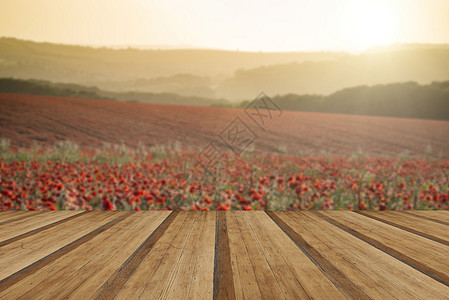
x,y
115,282
298,277
425,228
441,217
223,255
418,252
79,273
17,215
252,274
143,269
23,228
38,259
194,273
7,213
155,276
340,280
378,274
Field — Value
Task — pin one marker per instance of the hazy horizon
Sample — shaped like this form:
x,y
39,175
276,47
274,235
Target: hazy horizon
x,y
292,26
195,47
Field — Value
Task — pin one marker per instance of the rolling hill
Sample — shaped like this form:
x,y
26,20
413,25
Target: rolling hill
x,y
421,65
231,75
190,72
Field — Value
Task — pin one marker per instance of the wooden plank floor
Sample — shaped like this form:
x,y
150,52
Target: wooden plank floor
x,y
224,255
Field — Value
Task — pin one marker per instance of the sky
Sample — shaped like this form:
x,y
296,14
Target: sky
x,y
263,25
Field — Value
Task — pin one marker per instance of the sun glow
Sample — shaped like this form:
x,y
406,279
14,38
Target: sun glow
x,y
267,25
364,25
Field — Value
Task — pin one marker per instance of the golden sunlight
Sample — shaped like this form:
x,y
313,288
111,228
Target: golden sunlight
x,y
365,24
266,25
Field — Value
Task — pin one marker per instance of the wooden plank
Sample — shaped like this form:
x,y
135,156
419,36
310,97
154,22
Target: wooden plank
x,y
18,215
98,279
378,274
425,228
155,275
426,224
116,281
245,281
80,273
298,277
223,281
252,273
4,213
340,280
439,216
290,255
20,229
261,258
423,254
194,276
25,252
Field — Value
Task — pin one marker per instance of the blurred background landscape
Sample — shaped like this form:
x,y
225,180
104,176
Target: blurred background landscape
x,y
398,81
389,78
362,88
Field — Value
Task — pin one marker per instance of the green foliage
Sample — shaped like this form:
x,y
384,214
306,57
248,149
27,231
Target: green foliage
x,y
406,100
47,88
39,87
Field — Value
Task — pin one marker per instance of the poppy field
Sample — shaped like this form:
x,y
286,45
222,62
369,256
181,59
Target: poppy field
x,y
125,179
304,161
44,120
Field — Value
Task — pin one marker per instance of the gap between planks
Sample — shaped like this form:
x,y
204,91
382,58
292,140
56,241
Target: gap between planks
x,y
384,219
439,276
223,286
40,229
19,275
